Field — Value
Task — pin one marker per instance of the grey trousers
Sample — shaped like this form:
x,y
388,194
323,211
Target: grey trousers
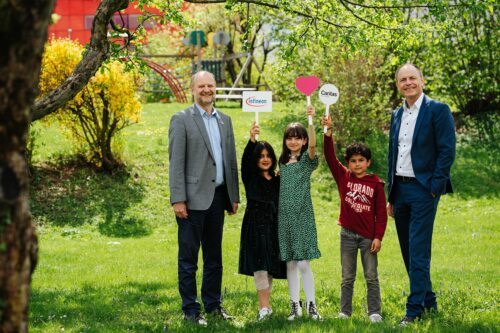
x,y
350,242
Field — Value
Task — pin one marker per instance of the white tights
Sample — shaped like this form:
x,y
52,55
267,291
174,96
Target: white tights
x,y
292,269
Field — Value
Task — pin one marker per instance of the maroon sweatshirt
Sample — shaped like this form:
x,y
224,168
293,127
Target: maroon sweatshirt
x,y
362,200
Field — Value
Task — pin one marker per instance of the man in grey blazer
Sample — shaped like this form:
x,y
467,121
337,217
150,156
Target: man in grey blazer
x,y
203,183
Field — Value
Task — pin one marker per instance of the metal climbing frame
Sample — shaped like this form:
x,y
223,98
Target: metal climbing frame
x,y
172,81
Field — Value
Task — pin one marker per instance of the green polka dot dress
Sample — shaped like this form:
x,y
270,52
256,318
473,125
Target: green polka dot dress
x,y
297,234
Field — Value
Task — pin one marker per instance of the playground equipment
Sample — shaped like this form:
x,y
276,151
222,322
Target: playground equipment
x,y
165,73
196,39
250,59
171,80
231,90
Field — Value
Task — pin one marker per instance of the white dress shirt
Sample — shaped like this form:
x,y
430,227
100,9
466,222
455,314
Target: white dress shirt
x,y
405,138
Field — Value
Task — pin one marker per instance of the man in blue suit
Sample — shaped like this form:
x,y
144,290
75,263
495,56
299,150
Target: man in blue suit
x,y
421,152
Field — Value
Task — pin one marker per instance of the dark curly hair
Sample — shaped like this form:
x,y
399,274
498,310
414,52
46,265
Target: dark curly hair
x,y
358,149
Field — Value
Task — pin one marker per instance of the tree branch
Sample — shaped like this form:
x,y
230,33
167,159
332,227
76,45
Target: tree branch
x,y
96,53
274,6
404,6
346,6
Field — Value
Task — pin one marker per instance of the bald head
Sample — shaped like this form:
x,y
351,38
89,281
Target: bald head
x,y
407,66
410,83
201,74
203,89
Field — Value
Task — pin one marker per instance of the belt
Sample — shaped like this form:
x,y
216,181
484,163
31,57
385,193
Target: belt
x,y
405,179
220,187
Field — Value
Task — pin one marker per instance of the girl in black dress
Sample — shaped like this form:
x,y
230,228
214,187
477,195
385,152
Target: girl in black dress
x,y
259,249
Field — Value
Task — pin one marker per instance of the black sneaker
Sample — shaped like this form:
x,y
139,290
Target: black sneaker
x,y
197,319
407,320
295,310
221,313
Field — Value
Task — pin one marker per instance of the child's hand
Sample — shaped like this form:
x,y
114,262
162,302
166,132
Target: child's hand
x,y
390,210
327,121
376,245
311,111
255,130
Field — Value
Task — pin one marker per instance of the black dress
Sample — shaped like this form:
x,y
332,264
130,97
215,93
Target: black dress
x,y
259,249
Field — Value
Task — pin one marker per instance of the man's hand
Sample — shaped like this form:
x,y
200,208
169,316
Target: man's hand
x,y
235,209
180,210
390,210
376,245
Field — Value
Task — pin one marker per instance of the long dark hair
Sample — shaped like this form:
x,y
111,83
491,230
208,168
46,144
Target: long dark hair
x,y
293,130
259,148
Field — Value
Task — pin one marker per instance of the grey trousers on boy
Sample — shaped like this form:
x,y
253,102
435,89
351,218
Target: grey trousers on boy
x,y
350,242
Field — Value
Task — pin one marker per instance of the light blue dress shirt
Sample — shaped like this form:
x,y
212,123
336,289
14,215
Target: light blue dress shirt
x,y
212,127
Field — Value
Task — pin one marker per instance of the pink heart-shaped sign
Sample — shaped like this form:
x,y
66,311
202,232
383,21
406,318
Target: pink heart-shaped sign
x,y
307,84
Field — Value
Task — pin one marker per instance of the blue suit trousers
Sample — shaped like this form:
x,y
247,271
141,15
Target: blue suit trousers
x,y
414,211
205,228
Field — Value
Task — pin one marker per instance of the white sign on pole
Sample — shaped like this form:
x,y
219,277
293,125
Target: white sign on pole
x,y
328,95
257,101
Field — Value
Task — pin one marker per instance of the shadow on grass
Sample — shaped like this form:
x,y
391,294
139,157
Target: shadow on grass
x,y
154,307
476,172
74,196
131,307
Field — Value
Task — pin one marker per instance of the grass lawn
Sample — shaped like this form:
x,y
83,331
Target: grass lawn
x,y
108,244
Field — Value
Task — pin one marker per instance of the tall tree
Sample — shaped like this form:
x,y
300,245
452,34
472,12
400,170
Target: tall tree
x,y
23,33
20,61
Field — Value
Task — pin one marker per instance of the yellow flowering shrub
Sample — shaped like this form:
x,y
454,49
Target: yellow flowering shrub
x,y
106,105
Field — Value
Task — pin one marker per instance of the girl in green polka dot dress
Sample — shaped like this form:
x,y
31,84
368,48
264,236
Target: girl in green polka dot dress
x,y
297,237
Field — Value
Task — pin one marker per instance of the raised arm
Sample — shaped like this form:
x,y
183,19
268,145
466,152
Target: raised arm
x,y
247,169
336,168
312,135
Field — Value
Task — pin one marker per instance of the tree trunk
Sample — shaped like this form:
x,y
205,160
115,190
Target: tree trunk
x,y
23,33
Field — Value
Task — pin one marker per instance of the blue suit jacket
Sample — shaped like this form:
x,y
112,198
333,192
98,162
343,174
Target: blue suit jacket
x,y
432,150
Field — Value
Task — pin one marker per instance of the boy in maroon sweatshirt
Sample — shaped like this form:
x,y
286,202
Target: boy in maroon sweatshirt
x,y
363,219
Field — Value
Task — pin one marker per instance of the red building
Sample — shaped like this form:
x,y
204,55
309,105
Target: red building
x,y
74,19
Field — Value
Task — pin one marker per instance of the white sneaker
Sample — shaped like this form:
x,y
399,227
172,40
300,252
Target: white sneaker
x,y
264,313
295,310
343,315
312,311
375,318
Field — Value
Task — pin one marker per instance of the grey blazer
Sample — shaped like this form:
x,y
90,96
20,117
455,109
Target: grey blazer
x,y
192,165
